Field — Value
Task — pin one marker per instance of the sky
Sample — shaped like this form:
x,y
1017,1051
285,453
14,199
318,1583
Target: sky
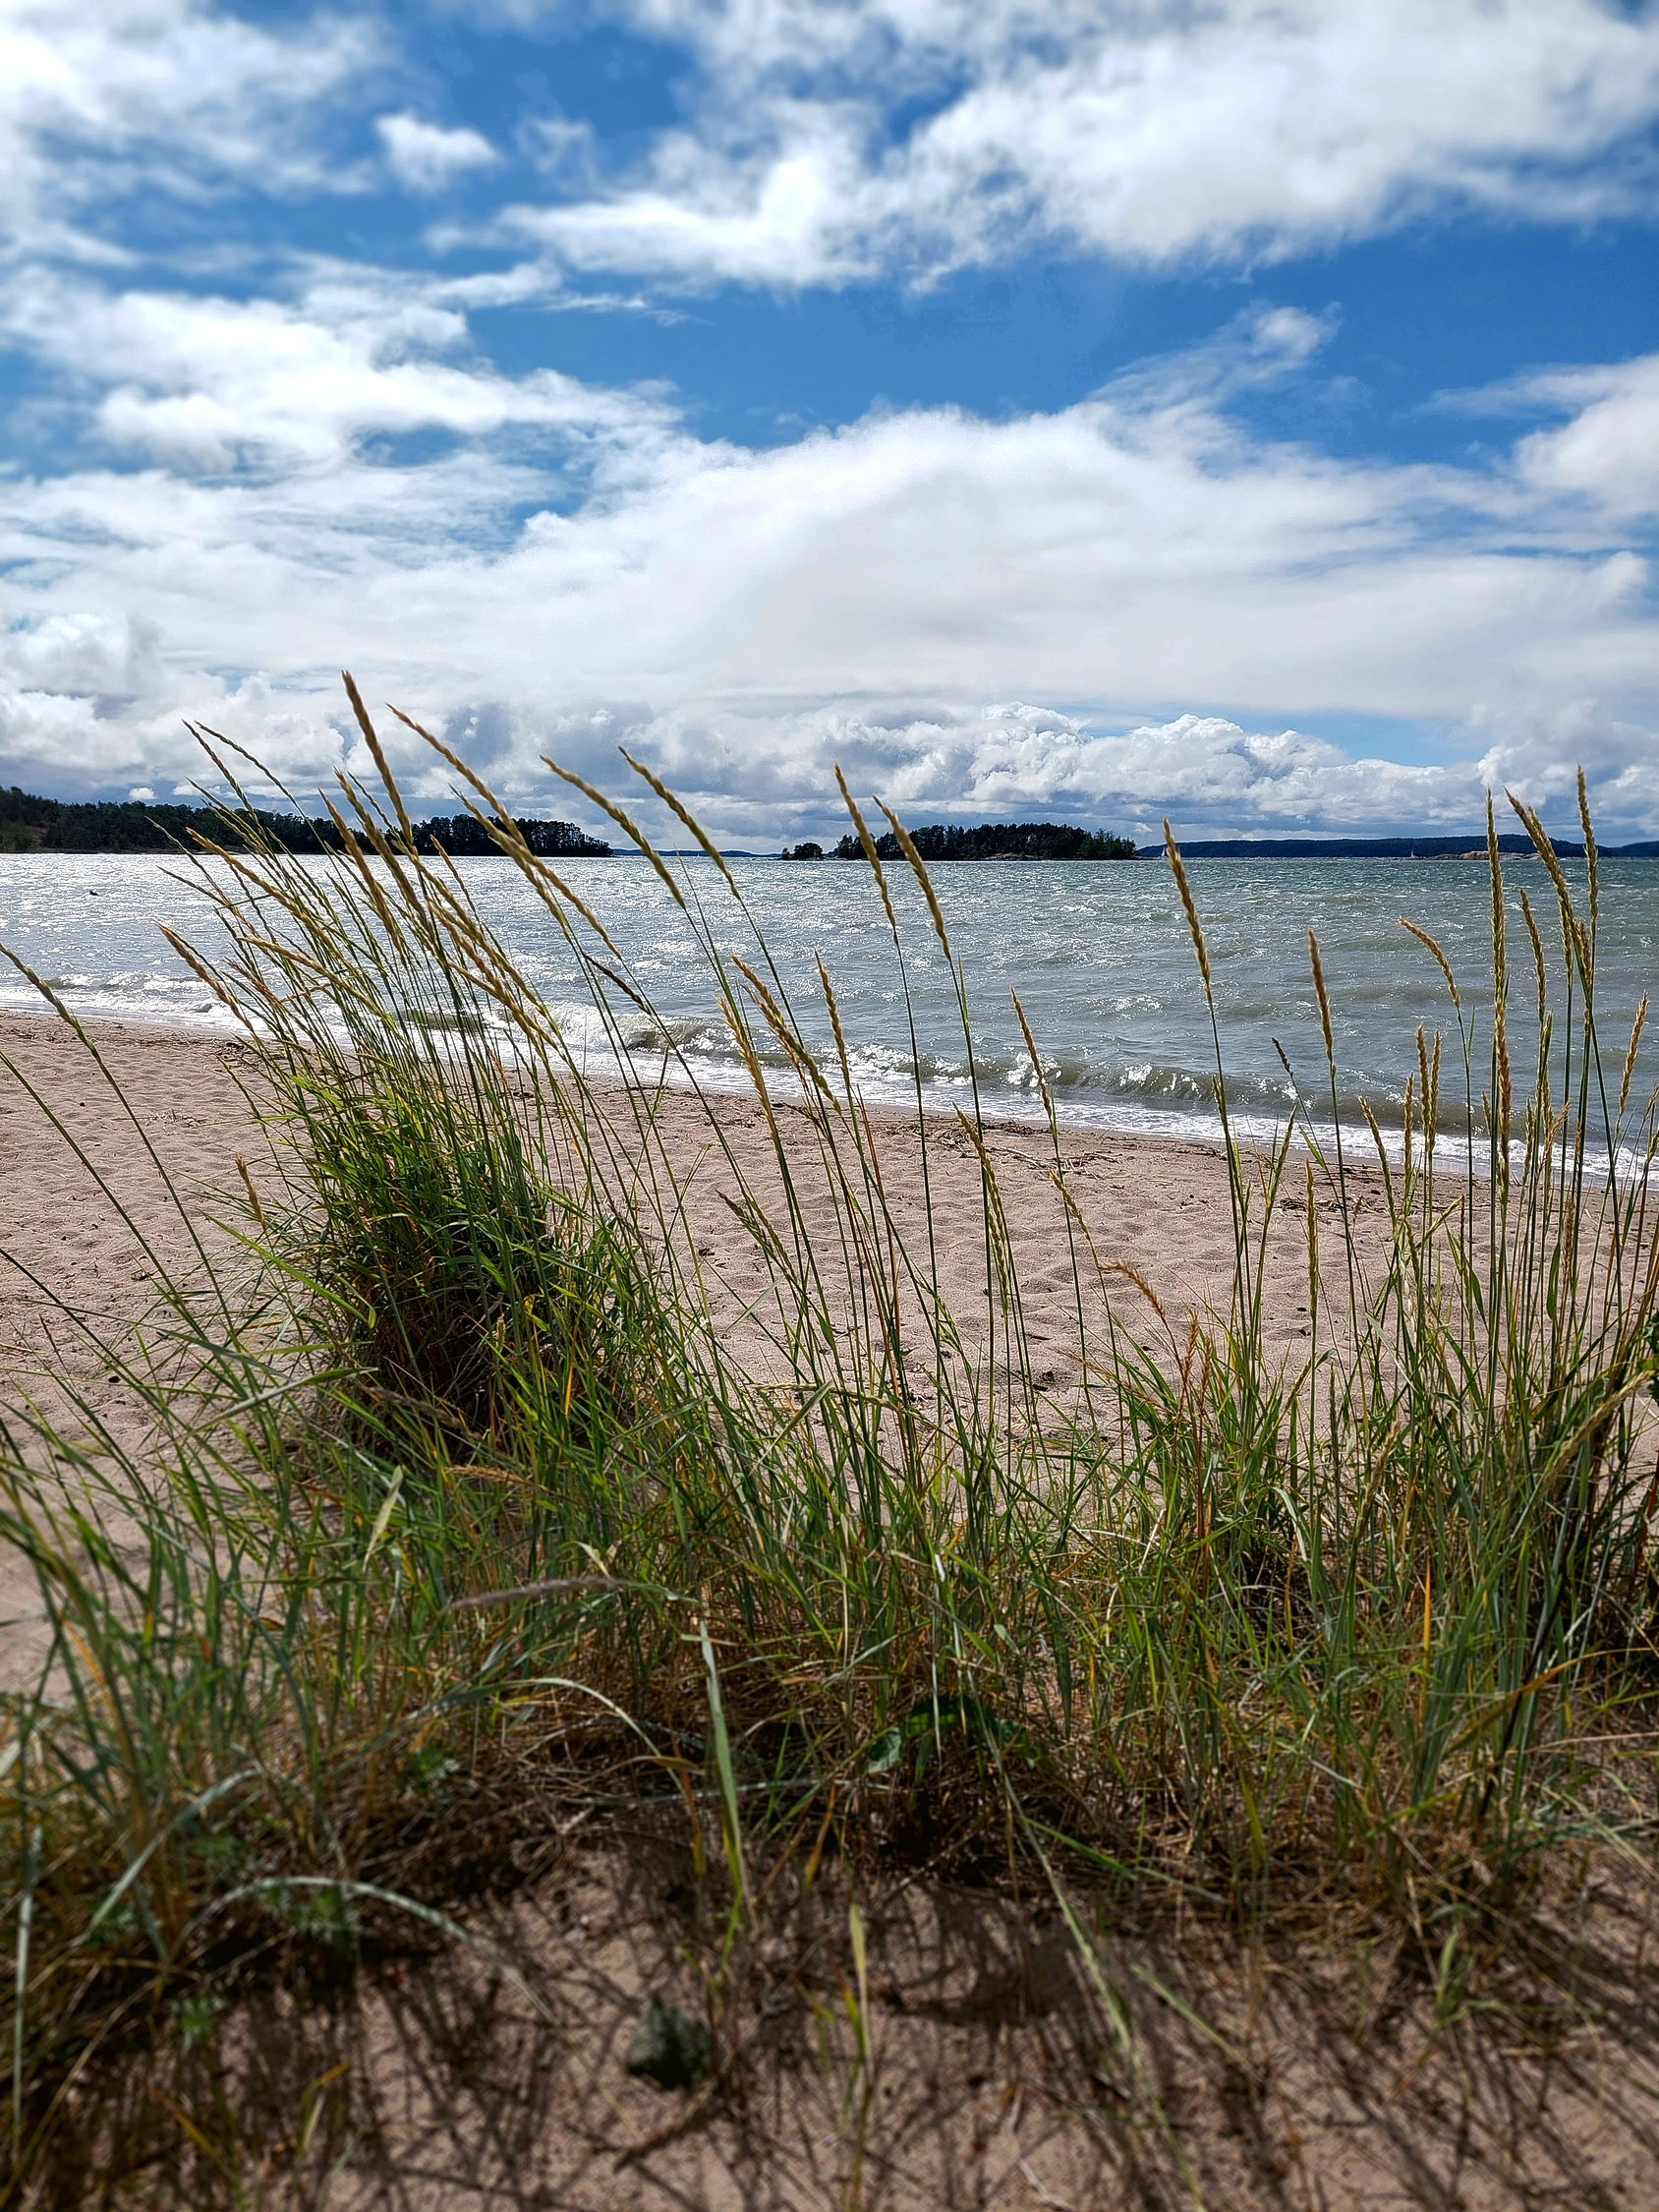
x,y
1072,409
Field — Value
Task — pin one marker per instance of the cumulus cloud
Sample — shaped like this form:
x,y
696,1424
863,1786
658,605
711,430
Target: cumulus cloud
x,y
1148,131
1132,565
84,656
426,156
1212,774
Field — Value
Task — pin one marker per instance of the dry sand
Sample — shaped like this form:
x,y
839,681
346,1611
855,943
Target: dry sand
x,y
140,1179
1160,1207
1324,2084
76,1266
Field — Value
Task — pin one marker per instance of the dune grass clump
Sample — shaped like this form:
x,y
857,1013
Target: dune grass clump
x,y
462,1509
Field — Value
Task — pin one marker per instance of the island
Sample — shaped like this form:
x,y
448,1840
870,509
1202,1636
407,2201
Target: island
x,y
1469,846
31,824
994,841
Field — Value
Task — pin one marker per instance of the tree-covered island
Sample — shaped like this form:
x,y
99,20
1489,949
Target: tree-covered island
x,y
999,841
30,824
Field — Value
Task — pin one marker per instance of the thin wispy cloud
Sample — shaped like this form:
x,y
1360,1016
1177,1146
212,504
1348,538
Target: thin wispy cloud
x,y
426,156
128,99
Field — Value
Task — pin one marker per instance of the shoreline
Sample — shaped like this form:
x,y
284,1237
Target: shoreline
x,y
1180,1129
1155,1205
1137,1124
1080,1120
1108,980
76,1277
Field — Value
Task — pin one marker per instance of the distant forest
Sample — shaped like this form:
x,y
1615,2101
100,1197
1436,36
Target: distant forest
x,y
999,841
28,824
1471,845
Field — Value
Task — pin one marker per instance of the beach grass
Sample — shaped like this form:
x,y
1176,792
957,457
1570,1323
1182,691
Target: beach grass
x,y
463,1515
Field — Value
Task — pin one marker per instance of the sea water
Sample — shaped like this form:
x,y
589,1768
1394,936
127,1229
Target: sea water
x,y
1099,953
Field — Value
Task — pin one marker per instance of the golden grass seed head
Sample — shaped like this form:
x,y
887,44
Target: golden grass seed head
x,y
1592,857
1637,1028
683,813
907,846
377,751
624,822
1323,997
870,852
1177,868
1423,938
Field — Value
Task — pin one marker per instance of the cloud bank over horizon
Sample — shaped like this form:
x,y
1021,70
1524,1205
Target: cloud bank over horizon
x,y
273,411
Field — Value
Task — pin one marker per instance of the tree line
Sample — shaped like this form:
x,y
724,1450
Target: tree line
x,y
997,841
31,824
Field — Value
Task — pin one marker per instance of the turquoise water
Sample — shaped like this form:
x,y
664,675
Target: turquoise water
x,y
1099,953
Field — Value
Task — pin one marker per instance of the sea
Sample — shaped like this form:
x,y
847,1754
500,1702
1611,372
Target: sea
x,y
1099,954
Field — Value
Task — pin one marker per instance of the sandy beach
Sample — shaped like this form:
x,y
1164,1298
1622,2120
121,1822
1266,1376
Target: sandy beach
x,y
1292,2094
163,1136
141,1183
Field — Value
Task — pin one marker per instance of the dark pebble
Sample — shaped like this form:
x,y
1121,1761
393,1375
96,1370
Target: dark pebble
x,y
670,2047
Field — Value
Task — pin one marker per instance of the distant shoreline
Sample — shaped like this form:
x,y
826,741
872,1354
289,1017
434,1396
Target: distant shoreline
x,y
1389,848
110,830
1227,848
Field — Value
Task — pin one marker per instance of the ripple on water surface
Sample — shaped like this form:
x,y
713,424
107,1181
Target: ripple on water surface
x,y
1099,953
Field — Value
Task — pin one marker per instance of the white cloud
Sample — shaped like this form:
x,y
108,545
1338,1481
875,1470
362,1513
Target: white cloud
x,y
1213,775
563,147
427,157
1209,771
829,143
1174,588
206,383
1608,451
86,656
1148,131
1210,766
49,727
160,95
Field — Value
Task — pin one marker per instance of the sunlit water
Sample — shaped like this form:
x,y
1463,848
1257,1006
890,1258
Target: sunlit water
x,y
1099,953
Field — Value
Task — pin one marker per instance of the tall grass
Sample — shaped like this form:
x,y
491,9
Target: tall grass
x,y
461,1509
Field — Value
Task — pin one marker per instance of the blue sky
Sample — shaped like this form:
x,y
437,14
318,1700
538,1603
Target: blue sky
x,y
1246,412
